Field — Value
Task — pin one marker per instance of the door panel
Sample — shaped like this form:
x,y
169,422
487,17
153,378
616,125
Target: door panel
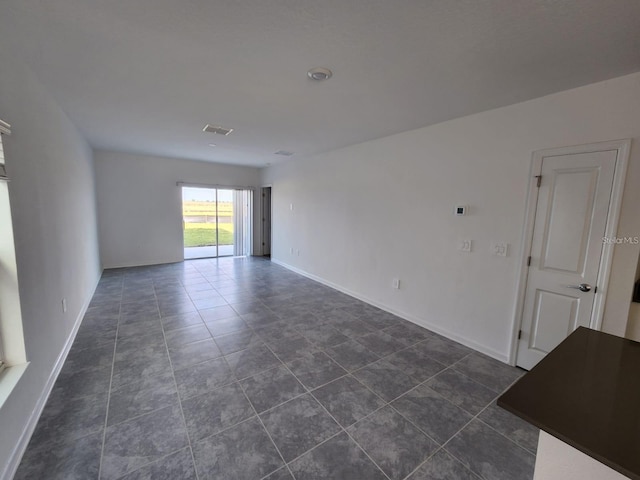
x,y
554,318
571,218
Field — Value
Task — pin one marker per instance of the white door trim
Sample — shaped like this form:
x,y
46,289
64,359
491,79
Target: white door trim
x,y
623,148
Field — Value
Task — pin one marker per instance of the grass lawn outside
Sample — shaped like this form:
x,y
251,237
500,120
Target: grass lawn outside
x,y
204,234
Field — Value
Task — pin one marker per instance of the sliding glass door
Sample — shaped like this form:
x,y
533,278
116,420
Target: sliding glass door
x,y
216,222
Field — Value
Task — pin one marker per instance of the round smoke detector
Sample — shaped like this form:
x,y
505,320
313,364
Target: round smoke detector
x,y
319,74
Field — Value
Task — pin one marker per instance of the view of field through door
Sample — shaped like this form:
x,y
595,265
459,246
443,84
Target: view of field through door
x,y
216,222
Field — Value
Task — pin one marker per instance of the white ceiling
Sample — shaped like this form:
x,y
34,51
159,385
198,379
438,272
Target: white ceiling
x,y
146,75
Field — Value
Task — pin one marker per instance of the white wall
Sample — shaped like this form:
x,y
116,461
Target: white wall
x,y
140,205
556,460
54,219
382,209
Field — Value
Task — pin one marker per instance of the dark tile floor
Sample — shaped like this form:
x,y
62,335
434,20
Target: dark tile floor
x,y
240,369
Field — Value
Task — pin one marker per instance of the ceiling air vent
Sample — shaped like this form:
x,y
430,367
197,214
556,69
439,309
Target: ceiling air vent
x,y
217,129
284,153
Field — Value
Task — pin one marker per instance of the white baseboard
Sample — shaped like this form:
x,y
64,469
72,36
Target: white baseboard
x,y
147,263
406,316
23,441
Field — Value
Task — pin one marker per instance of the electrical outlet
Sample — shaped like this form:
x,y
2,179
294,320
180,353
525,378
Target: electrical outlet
x,y
396,283
298,252
465,245
291,250
500,249
64,305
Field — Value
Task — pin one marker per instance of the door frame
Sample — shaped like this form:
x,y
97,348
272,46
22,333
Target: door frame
x,y
270,186
623,148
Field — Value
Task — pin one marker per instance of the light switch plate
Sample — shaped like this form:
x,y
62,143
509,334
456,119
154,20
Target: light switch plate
x,y
465,245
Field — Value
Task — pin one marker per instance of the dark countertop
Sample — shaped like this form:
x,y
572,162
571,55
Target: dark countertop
x,y
586,392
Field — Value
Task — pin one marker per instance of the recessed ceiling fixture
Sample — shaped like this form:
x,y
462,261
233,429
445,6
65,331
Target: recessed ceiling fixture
x,y
283,153
319,74
217,129
212,145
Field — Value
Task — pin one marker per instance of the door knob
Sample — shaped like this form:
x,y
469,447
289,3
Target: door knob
x,y
583,287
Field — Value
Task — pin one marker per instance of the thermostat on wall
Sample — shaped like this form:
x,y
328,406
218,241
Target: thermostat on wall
x,y
461,210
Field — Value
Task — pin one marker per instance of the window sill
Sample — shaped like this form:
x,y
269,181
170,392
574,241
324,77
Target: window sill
x,y
9,378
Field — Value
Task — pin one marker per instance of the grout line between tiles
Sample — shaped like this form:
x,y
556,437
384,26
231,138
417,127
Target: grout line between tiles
x,y
113,365
175,383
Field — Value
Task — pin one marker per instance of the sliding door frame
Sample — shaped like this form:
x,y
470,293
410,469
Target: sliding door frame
x,y
234,188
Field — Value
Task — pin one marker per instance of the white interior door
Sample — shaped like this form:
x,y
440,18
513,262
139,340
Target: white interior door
x,y
266,221
571,217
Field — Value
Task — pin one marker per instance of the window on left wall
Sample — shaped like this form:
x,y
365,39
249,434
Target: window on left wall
x,y
13,361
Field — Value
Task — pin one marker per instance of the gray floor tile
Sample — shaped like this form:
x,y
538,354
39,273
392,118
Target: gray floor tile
x,y
192,353
352,355
385,379
338,458
272,387
214,411
492,373
347,400
315,368
234,342
521,432
415,362
443,466
275,332
349,325
252,361
260,318
223,326
176,466
396,445
71,460
218,313
181,321
243,451
444,350
139,310
490,454
408,333
133,347
323,335
248,307
183,336
211,302
203,377
145,362
66,419
88,340
298,426
432,413
141,327
140,397
282,474
380,319
462,391
133,444
80,383
89,358
381,343
170,309
289,349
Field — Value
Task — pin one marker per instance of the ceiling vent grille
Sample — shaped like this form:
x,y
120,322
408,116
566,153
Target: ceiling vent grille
x,y
284,153
218,130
